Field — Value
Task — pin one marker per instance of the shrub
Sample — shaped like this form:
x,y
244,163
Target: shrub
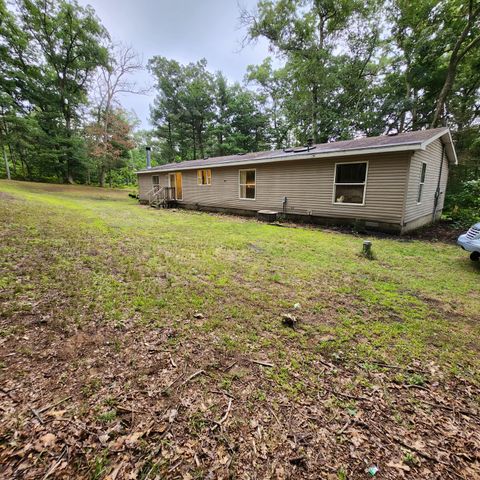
x,y
463,208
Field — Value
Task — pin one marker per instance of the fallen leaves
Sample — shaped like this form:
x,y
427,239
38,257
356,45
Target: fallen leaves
x,y
46,441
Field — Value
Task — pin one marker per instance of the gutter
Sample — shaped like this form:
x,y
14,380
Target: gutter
x,y
437,191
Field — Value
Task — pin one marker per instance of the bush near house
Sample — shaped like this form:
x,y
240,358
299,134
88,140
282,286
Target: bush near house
x,y
463,207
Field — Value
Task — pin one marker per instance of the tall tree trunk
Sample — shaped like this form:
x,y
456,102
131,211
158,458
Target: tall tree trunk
x,y
194,142
414,110
102,176
68,153
12,157
455,58
442,97
315,114
200,140
7,167
170,140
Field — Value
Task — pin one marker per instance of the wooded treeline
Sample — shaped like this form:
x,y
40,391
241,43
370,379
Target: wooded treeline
x,y
60,76
339,69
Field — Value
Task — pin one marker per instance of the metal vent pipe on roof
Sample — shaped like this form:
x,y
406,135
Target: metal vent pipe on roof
x,y
149,158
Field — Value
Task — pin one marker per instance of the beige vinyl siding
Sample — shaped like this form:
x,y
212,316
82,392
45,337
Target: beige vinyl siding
x,y
145,183
432,157
308,186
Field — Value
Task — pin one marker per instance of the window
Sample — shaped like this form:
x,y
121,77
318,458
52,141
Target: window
x,y
350,182
204,177
422,182
156,182
247,184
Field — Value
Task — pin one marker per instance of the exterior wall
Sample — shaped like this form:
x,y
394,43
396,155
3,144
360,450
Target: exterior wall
x,y
145,184
420,222
308,186
418,214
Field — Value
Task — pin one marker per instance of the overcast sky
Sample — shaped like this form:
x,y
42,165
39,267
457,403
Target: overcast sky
x,y
184,30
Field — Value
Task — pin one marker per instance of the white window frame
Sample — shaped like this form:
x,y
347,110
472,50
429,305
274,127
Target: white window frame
x,y
155,184
421,185
240,184
209,177
364,184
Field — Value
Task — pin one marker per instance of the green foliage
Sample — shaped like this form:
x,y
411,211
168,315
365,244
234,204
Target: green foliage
x,y
49,51
464,207
346,68
199,114
109,142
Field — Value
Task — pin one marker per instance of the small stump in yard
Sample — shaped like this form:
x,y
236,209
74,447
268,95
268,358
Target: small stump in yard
x,y
367,250
288,320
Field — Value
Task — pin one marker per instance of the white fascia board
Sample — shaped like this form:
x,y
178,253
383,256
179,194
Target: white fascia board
x,y
446,137
311,156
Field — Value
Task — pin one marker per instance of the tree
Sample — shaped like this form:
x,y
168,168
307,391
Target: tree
x,y
197,113
461,32
112,80
274,86
68,43
306,34
109,142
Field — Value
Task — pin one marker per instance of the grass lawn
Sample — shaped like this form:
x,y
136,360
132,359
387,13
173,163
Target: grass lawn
x,y
161,331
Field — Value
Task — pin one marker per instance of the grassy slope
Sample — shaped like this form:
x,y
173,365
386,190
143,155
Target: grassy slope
x,y
89,260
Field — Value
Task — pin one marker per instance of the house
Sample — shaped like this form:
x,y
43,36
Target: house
x,y
391,182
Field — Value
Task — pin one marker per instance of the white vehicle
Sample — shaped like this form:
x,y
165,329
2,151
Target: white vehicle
x,y
470,242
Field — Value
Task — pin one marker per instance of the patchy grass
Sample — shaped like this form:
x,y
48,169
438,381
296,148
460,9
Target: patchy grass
x,y
116,305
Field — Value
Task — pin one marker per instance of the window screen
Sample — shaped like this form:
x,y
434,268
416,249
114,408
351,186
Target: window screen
x,y
247,184
350,180
422,182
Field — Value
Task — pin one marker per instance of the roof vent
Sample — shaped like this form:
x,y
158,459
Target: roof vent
x,y
241,153
288,150
392,134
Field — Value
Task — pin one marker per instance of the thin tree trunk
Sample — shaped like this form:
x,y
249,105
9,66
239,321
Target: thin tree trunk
x,y
315,114
455,59
442,97
12,157
194,142
7,167
200,140
102,176
68,160
414,110
170,140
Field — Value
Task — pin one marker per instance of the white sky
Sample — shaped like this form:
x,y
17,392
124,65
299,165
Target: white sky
x,y
184,30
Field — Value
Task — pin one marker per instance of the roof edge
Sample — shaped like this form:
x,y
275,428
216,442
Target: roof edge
x,y
446,137
337,153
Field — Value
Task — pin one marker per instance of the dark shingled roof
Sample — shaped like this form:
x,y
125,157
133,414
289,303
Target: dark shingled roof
x,y
350,147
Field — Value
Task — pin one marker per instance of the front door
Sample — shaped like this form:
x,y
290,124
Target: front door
x,y
175,180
